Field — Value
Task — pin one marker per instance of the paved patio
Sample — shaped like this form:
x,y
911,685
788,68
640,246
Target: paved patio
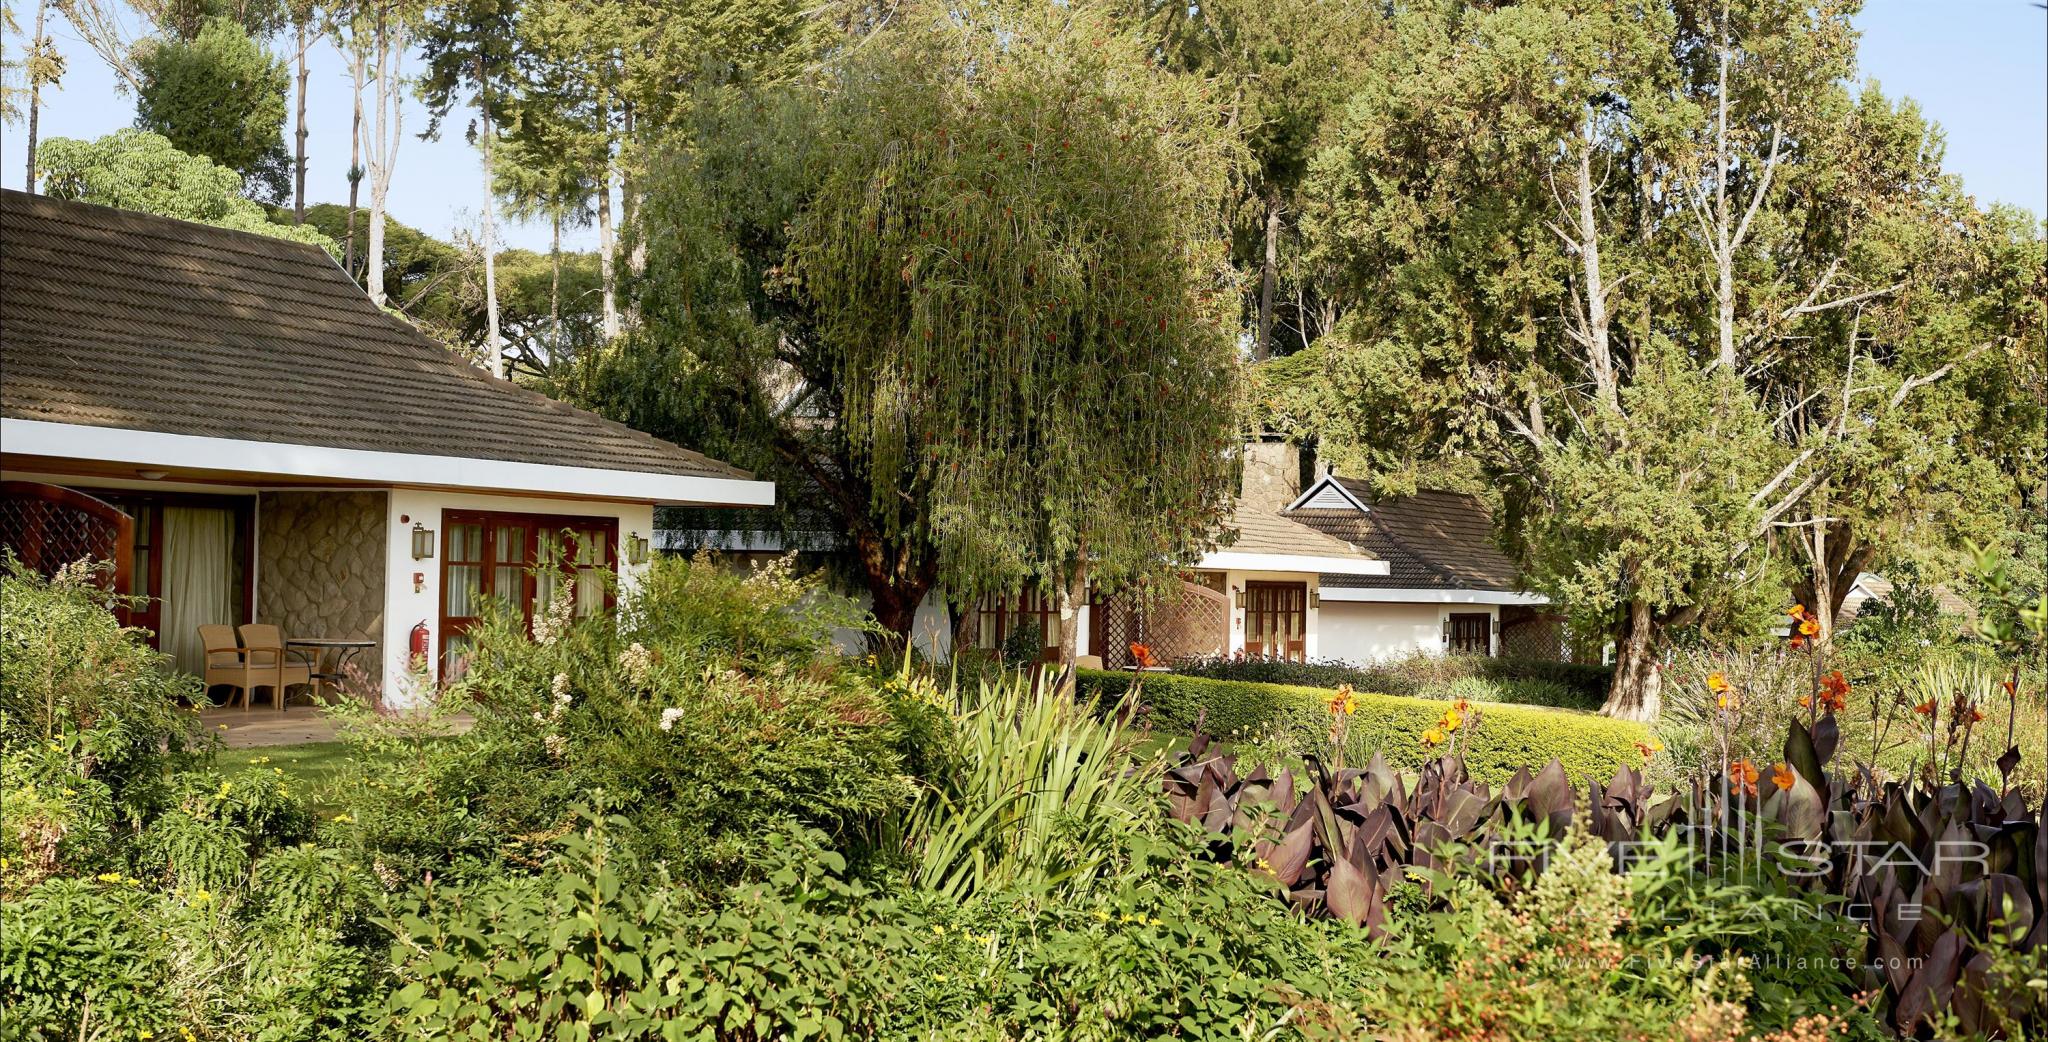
x,y
263,726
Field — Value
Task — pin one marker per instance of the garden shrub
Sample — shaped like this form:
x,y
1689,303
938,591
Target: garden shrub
x,y
709,713
1565,685
89,723
1511,738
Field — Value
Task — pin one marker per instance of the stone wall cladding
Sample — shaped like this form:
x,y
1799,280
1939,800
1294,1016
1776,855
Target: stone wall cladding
x,y
320,567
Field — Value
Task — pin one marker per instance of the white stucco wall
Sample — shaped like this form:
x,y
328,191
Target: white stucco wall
x,y
1359,631
931,633
406,606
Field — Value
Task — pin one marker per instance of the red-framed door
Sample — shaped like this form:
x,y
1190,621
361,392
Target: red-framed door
x,y
523,561
1276,620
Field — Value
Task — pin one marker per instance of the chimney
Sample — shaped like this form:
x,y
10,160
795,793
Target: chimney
x,y
1272,473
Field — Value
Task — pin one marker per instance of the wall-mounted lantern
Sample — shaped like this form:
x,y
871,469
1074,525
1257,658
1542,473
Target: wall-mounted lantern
x,y
422,542
1315,599
1238,594
636,549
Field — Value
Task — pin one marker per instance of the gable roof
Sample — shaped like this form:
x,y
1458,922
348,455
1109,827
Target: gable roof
x,y
1432,540
134,322
1266,541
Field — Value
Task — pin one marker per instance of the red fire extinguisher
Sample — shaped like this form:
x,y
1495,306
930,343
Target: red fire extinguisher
x,y
419,641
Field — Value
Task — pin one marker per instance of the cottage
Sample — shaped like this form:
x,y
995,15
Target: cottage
x,y
229,418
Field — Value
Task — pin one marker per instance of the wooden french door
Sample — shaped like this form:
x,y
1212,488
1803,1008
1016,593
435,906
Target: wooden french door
x,y
522,562
1470,633
1276,620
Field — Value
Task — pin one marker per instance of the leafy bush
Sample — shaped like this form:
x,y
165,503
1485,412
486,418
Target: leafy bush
x,y
710,712
89,723
1565,685
1514,737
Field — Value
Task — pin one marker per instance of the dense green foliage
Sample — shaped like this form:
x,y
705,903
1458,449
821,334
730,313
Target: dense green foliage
x,y
692,821
1299,719
1483,678
138,170
220,95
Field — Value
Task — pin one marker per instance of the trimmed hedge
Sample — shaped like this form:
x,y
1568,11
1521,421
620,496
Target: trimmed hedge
x,y
1509,737
1567,685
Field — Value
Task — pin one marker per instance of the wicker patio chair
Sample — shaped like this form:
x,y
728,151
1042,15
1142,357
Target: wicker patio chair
x,y
271,664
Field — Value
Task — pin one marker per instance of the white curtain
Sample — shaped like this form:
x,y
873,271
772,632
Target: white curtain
x,y
198,580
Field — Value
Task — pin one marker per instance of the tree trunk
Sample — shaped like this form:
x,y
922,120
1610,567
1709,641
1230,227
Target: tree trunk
x,y
358,63
1637,691
496,344
896,584
555,289
299,135
1826,583
1071,600
629,208
389,129
605,251
1269,276
35,93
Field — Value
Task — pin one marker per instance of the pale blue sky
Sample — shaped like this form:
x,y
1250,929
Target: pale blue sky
x,y
1978,67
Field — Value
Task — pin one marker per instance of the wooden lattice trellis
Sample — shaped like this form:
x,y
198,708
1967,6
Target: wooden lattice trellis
x,y
1189,623
49,526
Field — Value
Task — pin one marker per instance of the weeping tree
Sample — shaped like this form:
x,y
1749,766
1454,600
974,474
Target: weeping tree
x,y
967,295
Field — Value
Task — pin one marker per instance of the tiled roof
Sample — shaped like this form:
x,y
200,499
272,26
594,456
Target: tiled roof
x,y
116,319
1264,532
1430,540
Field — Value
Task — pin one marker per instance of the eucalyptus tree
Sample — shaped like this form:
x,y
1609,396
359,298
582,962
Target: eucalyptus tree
x,y
469,46
966,293
309,20
1620,296
1277,72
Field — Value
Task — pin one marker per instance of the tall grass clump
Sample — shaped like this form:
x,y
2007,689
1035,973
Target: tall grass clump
x,y
1042,790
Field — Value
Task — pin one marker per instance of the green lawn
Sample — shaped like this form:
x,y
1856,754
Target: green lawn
x,y
312,767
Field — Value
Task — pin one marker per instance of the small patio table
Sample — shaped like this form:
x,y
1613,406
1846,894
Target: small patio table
x,y
339,648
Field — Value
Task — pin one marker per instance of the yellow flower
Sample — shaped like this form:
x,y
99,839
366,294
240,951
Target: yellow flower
x,y
1717,682
1343,702
1451,720
343,819
1432,737
204,895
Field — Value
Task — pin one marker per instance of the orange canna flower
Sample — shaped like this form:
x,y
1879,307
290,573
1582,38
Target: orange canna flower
x,y
1925,708
1142,655
1743,775
1809,628
1782,776
1798,611
2007,686
1834,691
1806,701
1976,714
1798,642
1649,748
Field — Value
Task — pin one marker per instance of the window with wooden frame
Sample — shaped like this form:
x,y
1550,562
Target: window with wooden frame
x,y
520,562
1276,620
